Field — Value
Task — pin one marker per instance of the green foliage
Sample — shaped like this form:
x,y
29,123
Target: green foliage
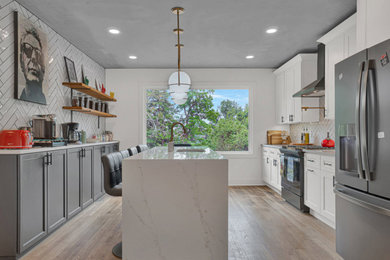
x,y
225,129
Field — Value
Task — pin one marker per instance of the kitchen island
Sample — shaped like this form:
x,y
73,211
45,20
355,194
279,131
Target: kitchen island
x,y
175,205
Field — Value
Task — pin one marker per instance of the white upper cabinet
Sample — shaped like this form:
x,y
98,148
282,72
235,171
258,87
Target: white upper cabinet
x,y
294,75
372,22
280,99
340,43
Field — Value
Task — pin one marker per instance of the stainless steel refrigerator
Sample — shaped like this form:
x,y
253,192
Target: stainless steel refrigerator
x,y
362,122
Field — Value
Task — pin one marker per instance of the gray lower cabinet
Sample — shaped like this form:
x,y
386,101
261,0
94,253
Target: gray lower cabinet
x,y
32,199
40,191
42,196
86,173
98,177
56,190
74,182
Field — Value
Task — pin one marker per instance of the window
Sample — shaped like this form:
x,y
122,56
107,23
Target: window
x,y
215,118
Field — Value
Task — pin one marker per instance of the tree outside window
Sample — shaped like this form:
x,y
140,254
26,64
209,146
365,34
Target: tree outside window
x,y
214,118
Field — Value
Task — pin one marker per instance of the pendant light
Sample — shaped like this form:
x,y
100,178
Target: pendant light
x,y
179,82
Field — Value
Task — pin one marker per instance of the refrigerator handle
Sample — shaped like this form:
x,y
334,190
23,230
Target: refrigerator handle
x,y
375,208
371,124
364,133
357,122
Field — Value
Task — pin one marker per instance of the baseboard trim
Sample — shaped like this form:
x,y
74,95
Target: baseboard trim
x,y
245,183
322,218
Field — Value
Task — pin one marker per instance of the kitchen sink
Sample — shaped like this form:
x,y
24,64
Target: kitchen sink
x,y
191,150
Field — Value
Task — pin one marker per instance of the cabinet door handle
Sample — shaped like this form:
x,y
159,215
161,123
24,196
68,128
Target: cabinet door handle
x,y
267,160
310,170
51,158
310,160
333,181
282,119
46,159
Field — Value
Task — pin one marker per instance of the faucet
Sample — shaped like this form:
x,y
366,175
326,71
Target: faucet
x,y
171,144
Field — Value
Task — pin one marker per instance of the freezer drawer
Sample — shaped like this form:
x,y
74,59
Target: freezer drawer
x,y
362,225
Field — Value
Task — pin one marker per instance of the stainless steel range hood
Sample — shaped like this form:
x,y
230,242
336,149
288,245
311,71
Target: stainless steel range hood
x,y
316,88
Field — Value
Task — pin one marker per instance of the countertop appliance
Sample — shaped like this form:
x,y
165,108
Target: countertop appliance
x,y
70,133
15,139
362,154
44,126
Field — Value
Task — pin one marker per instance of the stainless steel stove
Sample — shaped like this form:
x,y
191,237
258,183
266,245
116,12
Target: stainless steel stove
x,y
292,172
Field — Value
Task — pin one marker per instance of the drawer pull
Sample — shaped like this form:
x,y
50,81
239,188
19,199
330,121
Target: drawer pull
x,y
328,164
310,160
310,170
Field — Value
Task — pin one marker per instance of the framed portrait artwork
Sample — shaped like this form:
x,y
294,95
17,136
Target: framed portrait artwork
x,y
70,70
31,79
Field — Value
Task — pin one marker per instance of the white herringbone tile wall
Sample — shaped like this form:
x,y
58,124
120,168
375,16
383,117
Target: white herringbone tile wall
x,y
15,113
318,130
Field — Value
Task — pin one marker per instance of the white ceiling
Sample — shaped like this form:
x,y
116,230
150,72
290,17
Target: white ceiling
x,y
217,33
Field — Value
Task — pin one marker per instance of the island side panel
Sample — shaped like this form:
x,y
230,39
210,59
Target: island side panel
x,y
8,206
175,209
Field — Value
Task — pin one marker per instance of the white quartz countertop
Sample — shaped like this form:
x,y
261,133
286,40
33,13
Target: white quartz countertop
x,y
161,153
323,152
48,149
277,146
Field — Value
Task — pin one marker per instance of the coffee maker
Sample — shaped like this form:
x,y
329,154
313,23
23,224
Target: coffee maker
x,y
70,133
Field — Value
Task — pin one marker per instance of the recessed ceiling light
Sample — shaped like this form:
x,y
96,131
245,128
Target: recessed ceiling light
x,y
132,57
249,57
114,31
271,30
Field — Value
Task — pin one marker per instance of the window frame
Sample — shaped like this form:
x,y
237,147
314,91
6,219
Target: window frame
x,y
205,85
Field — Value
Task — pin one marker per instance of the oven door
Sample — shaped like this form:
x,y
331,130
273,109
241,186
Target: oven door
x,y
291,173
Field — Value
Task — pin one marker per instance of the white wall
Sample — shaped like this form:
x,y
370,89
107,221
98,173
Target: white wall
x,y
129,84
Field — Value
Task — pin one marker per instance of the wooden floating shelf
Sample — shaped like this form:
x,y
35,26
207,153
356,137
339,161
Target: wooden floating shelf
x,y
88,111
89,91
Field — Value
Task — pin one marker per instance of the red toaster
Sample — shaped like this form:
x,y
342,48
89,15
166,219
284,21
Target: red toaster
x,y
15,139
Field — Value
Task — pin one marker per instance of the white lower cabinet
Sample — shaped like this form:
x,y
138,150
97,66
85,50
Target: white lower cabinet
x,y
313,189
319,181
266,167
271,168
328,208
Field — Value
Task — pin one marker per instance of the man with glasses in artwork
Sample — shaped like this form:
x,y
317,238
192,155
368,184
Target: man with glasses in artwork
x,y
33,66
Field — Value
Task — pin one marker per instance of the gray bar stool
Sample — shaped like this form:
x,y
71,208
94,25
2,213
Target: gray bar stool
x,y
142,147
132,151
112,164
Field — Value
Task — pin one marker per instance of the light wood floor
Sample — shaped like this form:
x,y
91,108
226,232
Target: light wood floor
x,y
261,226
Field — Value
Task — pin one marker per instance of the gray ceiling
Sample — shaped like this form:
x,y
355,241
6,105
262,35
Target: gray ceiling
x,y
217,33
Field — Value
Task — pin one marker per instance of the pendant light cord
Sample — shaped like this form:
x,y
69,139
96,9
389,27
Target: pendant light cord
x,y
178,47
